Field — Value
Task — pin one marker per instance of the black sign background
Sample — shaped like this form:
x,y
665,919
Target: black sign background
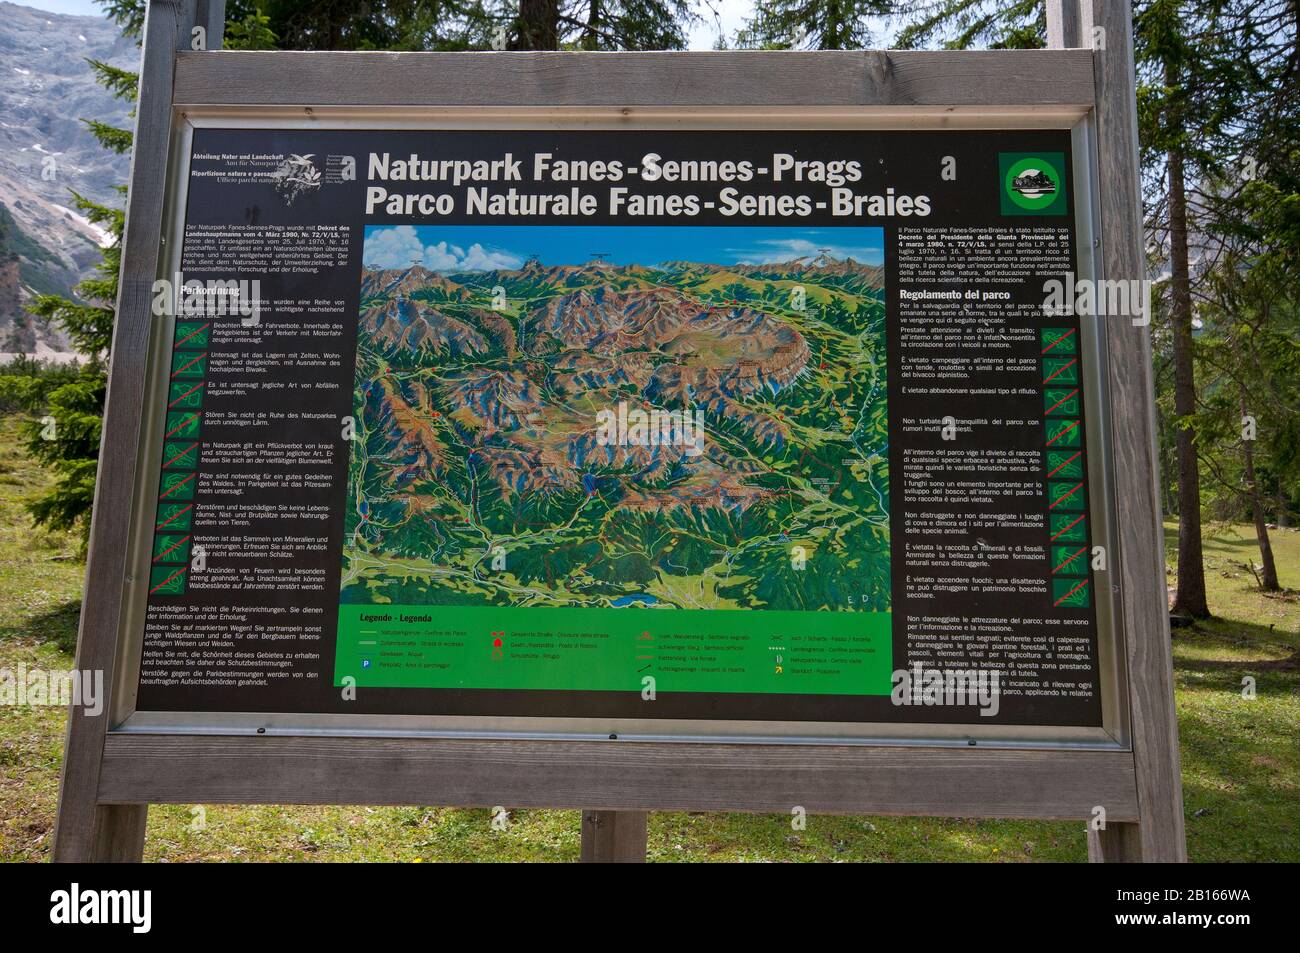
x,y
908,162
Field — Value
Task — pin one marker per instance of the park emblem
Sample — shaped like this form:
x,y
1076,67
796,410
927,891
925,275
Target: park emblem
x,y
1033,183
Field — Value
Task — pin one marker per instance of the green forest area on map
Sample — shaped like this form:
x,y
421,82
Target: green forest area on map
x,y
479,476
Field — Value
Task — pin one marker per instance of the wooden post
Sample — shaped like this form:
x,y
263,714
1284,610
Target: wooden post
x,y
613,837
87,830
1158,835
211,15
1063,25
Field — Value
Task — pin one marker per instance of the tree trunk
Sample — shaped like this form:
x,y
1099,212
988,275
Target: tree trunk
x,y
1190,598
539,25
1269,581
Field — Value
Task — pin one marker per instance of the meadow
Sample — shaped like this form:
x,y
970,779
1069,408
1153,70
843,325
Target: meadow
x,y
1240,756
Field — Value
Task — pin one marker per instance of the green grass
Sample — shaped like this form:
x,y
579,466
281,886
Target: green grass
x,y
1241,757
1241,766
40,587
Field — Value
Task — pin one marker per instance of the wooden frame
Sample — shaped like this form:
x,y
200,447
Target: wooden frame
x,y
1139,570
823,779
944,81
110,777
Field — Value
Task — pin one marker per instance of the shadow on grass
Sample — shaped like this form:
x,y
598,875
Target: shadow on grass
x,y
1262,640
1239,767
1222,544
1246,543
1289,664
57,626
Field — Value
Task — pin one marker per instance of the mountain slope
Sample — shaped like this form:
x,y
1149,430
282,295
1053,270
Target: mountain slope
x,y
46,88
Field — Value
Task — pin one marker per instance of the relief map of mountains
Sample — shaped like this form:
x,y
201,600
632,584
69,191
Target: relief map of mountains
x,y
620,417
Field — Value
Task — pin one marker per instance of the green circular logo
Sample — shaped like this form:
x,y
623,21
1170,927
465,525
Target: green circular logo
x,y
1033,183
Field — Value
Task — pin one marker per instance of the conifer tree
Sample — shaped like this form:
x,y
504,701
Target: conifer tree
x,y
1203,67
66,438
814,24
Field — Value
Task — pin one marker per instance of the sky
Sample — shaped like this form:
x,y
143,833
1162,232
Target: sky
x,y
76,8
484,247
731,14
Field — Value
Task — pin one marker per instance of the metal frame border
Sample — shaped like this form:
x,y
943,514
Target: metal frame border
x,y
1112,735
